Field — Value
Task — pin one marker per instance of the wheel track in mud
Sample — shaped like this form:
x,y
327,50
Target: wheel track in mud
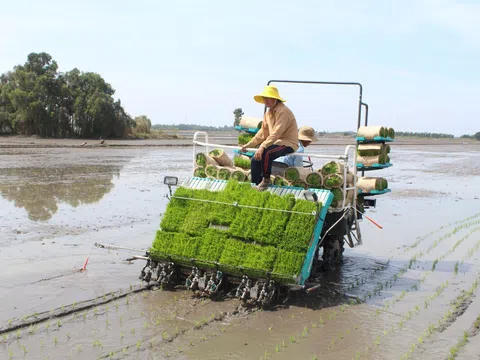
x,y
467,334
415,258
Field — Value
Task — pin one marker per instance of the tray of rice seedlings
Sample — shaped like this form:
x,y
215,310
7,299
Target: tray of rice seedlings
x,y
244,138
271,227
374,134
174,215
242,161
178,247
202,159
299,230
210,247
221,157
287,263
223,212
258,257
314,180
197,216
372,185
245,223
240,231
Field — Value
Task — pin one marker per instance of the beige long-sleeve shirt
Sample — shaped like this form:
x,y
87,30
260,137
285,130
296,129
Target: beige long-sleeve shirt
x,y
279,127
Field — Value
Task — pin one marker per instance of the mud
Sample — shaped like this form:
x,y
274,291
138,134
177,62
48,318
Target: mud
x,y
408,292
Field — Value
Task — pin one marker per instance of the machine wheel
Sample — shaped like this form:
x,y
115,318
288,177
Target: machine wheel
x,y
333,249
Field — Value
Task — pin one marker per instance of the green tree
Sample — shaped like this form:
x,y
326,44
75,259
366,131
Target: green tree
x,y
477,136
143,124
238,116
37,100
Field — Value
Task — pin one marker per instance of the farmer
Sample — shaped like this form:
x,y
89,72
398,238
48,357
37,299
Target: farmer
x,y
277,137
306,135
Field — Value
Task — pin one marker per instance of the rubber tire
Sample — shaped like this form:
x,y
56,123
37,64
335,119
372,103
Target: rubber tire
x,y
332,244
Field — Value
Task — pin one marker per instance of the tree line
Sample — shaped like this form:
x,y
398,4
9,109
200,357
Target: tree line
x,y
37,99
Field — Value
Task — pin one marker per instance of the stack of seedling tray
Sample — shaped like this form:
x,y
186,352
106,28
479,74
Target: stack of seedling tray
x,y
232,227
373,154
247,128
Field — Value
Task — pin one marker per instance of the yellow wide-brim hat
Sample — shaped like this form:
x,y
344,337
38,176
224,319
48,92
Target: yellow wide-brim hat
x,y
307,133
269,92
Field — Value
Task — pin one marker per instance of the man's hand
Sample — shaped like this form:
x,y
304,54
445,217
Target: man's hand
x,y
243,149
259,153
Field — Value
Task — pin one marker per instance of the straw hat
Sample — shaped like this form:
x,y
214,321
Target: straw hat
x,y
269,92
306,133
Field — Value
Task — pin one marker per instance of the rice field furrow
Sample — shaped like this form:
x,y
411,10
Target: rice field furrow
x,y
418,308
455,310
382,286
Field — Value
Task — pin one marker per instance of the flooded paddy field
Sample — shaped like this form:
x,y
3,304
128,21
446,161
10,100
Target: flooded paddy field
x,y
410,291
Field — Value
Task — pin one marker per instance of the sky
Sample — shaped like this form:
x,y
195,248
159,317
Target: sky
x,y
196,61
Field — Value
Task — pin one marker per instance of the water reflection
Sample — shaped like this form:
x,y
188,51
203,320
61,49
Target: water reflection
x,y
40,190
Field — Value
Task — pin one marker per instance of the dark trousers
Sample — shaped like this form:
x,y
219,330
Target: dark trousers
x,y
263,168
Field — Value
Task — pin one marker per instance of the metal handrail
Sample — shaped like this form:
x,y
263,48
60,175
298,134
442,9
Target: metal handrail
x,y
345,157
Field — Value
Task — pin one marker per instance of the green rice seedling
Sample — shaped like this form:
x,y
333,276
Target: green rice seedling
x,y
19,334
299,229
244,138
199,172
165,335
97,343
277,348
245,223
55,340
232,254
304,332
224,174
288,263
455,269
272,224
333,181
139,344
292,339
258,257
224,214
79,348
321,321
239,175
176,210
242,162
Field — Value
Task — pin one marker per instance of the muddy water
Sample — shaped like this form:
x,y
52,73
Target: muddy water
x,y
55,203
